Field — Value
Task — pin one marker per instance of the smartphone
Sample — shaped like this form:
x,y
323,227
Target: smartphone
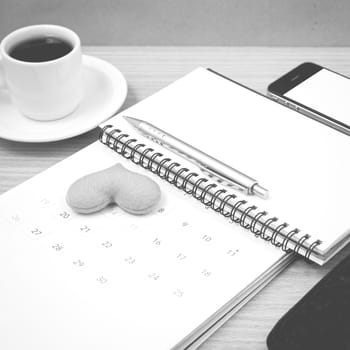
x,y
316,92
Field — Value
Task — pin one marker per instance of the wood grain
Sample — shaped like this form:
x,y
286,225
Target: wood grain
x,y
148,69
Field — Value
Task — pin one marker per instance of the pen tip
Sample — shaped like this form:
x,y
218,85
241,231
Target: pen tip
x,y
133,121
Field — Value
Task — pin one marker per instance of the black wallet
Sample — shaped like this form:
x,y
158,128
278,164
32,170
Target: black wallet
x,y
321,319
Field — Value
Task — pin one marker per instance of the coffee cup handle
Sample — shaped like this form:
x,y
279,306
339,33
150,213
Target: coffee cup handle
x,y
2,76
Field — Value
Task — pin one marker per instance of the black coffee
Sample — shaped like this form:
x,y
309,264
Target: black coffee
x,y
41,49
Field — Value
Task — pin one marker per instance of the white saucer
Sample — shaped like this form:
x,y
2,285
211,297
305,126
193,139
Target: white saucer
x,y
105,91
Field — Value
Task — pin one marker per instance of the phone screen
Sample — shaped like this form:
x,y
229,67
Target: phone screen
x,y
325,92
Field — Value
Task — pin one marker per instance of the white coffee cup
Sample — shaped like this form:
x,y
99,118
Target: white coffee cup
x,y
45,90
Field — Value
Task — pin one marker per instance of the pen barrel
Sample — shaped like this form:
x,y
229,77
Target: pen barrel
x,y
232,176
210,164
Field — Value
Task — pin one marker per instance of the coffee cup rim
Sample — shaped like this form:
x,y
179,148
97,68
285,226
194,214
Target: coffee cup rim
x,y
11,36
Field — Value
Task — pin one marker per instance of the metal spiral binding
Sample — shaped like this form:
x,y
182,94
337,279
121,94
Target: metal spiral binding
x,y
228,205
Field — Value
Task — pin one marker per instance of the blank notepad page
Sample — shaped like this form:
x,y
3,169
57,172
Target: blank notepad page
x,y
304,164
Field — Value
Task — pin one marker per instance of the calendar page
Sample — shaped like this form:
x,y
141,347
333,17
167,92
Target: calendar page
x,y
112,280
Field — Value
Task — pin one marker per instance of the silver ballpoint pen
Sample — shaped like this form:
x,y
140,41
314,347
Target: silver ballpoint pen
x,y
213,166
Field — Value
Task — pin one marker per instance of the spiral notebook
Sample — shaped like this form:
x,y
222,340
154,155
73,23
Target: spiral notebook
x,y
301,162
166,280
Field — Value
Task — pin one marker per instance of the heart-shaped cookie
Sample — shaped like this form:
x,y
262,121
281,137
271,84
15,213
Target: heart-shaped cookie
x,y
133,192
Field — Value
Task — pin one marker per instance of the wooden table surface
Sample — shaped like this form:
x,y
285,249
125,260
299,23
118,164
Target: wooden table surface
x,y
148,69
